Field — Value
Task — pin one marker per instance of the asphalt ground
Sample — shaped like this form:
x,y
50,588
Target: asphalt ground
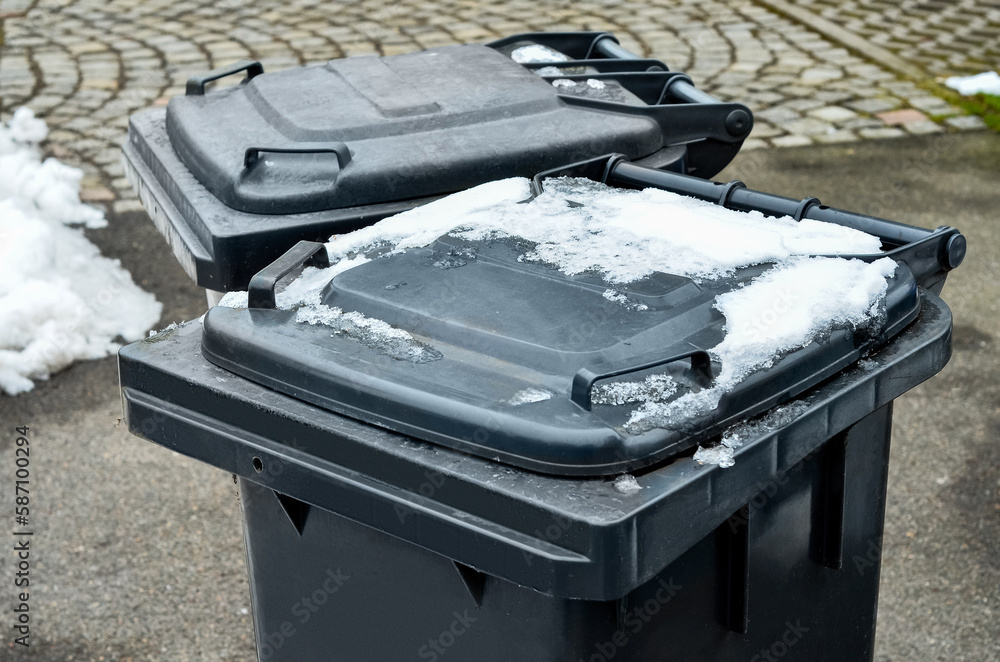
x,y
138,552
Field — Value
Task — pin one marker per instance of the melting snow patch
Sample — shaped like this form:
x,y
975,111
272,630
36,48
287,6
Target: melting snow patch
x,y
721,455
529,395
536,53
622,298
60,300
786,308
627,484
579,225
985,83
655,388
735,436
373,333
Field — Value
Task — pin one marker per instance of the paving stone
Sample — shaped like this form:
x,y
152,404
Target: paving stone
x,y
791,141
905,116
966,122
820,75
872,106
884,132
807,127
833,114
99,63
840,136
921,128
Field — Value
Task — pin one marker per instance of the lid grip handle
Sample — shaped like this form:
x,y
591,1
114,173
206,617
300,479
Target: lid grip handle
x,y
260,293
583,381
252,155
196,84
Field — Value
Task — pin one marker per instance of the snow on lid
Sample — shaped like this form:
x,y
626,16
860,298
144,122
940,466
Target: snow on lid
x,y
786,308
987,82
536,53
60,300
578,225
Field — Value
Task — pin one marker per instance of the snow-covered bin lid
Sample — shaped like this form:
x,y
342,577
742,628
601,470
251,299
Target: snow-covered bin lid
x,y
588,331
366,130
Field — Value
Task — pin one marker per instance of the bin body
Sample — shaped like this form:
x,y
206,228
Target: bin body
x,y
343,591
397,544
376,531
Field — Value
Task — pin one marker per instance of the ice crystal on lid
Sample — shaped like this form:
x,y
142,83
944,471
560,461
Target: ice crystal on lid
x,y
536,53
529,395
723,453
655,388
373,333
627,484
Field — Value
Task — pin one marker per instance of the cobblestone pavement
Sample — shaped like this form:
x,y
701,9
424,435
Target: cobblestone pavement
x,y
86,65
943,37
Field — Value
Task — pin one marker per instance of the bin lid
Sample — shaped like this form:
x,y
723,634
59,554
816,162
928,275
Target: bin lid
x,y
466,343
365,130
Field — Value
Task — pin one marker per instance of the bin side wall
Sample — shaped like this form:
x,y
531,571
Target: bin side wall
x,y
339,590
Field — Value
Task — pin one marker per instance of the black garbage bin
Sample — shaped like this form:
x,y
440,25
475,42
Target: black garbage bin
x,y
233,177
397,509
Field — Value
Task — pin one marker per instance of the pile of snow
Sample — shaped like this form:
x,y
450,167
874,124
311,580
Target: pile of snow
x,y
985,83
60,300
578,225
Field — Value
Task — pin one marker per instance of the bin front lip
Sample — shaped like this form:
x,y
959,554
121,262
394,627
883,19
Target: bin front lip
x,y
564,537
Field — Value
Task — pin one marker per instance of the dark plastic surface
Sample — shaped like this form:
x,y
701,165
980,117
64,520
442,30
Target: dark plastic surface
x,y
564,537
756,579
416,124
490,345
405,128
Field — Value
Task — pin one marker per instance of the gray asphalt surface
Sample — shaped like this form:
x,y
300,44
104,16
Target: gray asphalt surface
x,y
138,552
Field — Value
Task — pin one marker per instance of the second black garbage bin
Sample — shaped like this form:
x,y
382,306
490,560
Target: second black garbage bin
x,y
365,543
233,177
